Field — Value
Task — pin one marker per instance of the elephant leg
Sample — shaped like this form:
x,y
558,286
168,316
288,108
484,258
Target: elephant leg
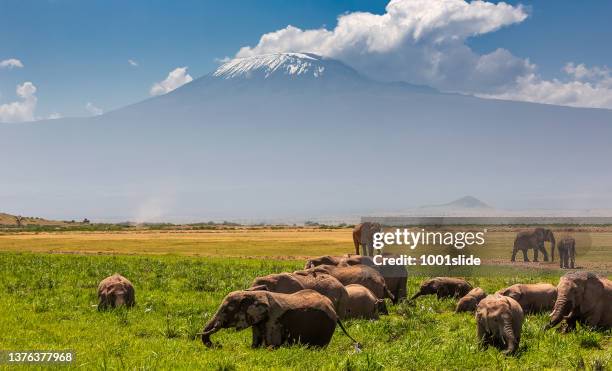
x,y
566,260
536,253
525,257
543,248
572,257
514,251
258,336
370,249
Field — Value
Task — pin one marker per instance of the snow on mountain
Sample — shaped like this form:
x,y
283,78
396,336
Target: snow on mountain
x,y
302,65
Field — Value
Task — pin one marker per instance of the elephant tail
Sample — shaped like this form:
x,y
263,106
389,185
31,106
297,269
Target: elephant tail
x,y
355,342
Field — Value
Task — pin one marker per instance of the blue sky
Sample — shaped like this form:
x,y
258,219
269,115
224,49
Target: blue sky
x,y
76,52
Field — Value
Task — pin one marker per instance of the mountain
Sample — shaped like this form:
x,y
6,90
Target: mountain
x,y
14,220
295,135
466,202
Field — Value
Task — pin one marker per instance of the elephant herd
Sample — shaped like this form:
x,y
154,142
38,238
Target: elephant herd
x,y
535,240
306,305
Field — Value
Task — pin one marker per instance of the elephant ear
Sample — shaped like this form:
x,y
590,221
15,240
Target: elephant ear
x,y
257,310
516,295
258,288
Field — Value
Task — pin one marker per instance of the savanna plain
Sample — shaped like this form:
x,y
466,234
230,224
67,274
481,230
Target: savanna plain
x,y
48,284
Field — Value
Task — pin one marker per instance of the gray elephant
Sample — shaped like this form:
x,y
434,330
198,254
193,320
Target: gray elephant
x,y
305,317
395,275
470,301
116,291
288,283
534,240
363,235
583,297
567,252
499,320
533,298
444,287
363,304
355,274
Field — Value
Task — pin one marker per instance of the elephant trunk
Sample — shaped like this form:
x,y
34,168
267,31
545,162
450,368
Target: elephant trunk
x,y
416,295
508,336
211,327
562,308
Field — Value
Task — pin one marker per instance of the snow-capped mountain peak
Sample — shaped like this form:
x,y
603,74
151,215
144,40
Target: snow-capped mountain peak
x,y
293,65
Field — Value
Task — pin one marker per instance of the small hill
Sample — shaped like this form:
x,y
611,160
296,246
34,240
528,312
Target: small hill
x,y
11,220
467,202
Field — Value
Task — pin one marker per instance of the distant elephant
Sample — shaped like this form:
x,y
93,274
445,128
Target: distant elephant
x,y
499,320
444,287
583,297
363,304
533,298
567,252
534,240
305,317
115,291
395,275
469,302
288,283
355,274
363,235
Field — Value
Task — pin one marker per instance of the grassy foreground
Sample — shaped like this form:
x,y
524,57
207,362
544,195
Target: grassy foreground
x,y
48,302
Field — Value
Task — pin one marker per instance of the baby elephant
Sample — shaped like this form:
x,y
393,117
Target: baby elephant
x,y
288,283
363,304
115,291
499,319
469,302
444,287
533,298
567,252
305,317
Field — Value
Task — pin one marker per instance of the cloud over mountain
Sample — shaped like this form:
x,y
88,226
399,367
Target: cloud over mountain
x,y
424,42
176,78
23,109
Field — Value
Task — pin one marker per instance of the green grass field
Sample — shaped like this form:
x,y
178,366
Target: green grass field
x,y
48,303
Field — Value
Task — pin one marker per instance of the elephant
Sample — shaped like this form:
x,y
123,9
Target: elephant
x,y
583,297
499,320
288,283
534,240
395,275
567,252
363,235
355,274
444,287
305,317
533,298
469,302
363,304
116,291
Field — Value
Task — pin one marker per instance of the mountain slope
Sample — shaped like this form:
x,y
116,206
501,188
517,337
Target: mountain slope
x,y
275,139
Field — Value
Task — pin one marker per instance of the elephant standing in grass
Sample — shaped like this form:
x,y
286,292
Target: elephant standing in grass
x,y
363,235
363,304
395,275
534,240
288,283
533,298
583,297
499,319
469,302
116,291
567,252
354,274
305,317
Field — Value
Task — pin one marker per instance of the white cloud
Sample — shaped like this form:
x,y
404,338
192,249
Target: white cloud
x,y
582,87
132,63
54,116
176,78
419,41
92,109
21,110
424,42
11,63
